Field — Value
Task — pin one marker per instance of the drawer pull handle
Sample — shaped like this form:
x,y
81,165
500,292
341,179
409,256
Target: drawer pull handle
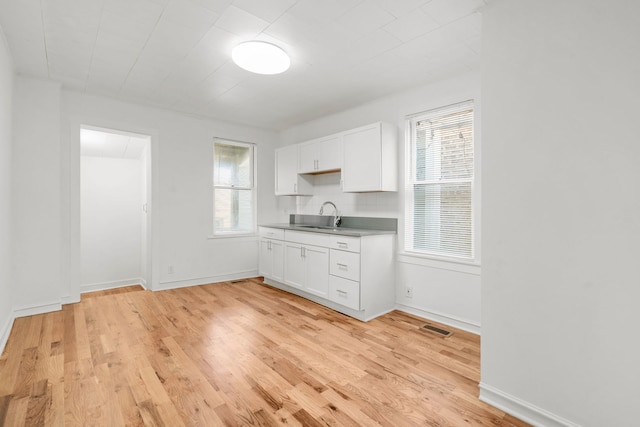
x,y
341,293
342,244
344,266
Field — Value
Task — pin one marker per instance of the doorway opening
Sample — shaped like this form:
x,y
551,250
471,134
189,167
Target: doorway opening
x,y
115,215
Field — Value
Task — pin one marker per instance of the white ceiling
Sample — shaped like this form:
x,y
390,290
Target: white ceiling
x,y
95,143
175,54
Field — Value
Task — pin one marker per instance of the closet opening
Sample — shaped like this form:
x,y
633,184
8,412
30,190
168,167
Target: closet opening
x,y
115,214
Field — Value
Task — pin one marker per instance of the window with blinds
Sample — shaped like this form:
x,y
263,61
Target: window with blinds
x,y
438,215
233,188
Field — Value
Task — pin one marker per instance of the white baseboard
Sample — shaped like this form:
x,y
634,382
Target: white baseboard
x,y
69,300
37,309
5,332
520,409
163,286
93,287
441,318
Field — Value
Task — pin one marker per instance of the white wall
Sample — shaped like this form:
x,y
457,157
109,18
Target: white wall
x,y
37,200
444,291
111,222
181,212
561,211
6,114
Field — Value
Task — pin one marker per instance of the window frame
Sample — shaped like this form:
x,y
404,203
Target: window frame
x,y
408,249
253,187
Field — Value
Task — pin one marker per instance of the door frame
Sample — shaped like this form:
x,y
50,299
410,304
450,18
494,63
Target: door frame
x,y
72,261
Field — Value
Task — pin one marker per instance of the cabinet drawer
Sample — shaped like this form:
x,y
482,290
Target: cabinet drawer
x,y
345,264
345,243
271,233
345,292
307,238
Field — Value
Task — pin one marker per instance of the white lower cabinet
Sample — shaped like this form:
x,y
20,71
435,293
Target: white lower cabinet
x,y
271,261
345,292
345,264
307,266
353,275
272,258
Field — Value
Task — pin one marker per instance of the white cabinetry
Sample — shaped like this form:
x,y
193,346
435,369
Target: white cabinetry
x,y
306,262
271,263
370,159
295,268
288,182
353,275
362,274
367,157
321,155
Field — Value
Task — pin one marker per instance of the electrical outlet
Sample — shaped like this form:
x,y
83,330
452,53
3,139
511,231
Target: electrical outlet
x,y
170,269
408,291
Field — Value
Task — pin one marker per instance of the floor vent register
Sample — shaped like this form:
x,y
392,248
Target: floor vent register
x,y
435,330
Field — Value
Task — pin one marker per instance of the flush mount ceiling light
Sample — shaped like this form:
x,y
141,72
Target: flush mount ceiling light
x,y
261,57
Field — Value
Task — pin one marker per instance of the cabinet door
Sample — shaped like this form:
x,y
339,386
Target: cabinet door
x,y
362,159
329,154
288,182
265,261
294,265
286,173
307,157
317,260
277,260
320,155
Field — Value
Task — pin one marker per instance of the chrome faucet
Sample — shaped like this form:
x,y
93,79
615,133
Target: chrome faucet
x,y
337,219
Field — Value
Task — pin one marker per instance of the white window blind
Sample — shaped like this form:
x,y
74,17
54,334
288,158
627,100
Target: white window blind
x,y
233,188
440,177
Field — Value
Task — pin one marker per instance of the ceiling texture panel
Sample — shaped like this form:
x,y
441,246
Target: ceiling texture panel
x,y
176,54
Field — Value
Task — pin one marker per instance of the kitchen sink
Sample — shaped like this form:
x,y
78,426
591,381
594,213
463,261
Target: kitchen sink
x,y
319,227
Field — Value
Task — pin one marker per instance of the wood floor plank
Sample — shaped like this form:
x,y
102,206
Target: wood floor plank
x,y
17,412
235,354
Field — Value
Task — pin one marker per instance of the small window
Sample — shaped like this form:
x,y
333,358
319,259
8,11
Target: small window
x,y
440,180
233,188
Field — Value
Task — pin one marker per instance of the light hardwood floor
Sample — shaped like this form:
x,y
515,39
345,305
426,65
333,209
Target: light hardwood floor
x,y
235,354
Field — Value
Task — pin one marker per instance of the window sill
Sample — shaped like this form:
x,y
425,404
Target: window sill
x,y
462,266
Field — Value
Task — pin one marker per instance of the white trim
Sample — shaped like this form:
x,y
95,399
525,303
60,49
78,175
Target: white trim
x,y
442,264
456,322
175,284
521,409
37,309
6,331
93,287
69,299
75,123
410,178
253,189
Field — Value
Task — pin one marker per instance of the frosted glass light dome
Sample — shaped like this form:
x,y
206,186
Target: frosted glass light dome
x,y
261,57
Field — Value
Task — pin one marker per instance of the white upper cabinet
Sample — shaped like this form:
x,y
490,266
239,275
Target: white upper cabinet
x,y
288,182
367,157
370,159
321,155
